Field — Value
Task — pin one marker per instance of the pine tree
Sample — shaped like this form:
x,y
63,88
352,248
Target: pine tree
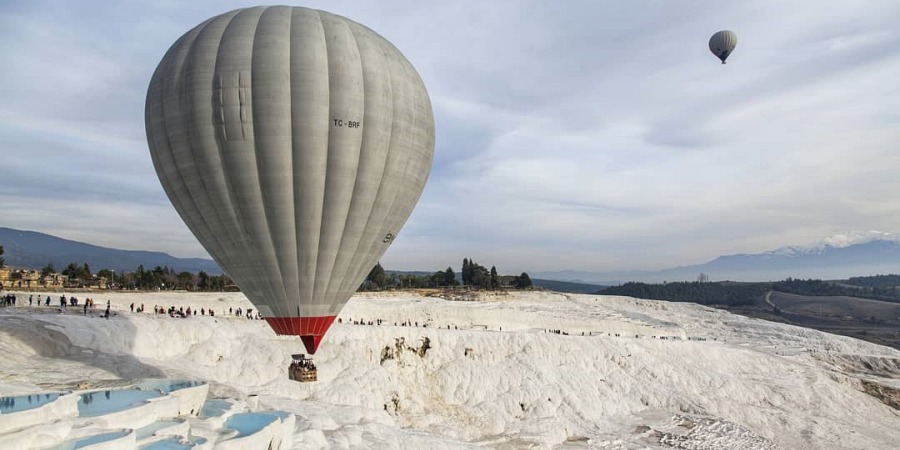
x,y
377,276
466,272
449,277
495,279
523,281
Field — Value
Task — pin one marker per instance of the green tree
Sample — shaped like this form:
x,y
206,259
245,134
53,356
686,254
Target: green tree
x,y
107,274
495,279
203,281
47,270
377,276
449,277
474,274
481,278
2,261
140,277
523,281
72,271
158,277
185,280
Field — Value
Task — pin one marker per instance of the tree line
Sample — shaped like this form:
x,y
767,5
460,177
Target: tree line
x,y
160,277
472,275
731,294
881,287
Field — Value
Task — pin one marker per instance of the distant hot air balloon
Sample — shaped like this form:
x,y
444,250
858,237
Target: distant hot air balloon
x,y
294,144
722,43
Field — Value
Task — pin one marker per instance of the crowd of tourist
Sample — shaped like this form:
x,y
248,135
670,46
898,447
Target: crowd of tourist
x,y
182,312
66,303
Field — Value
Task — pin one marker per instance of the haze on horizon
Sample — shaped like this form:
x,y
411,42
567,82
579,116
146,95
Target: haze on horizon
x,y
591,137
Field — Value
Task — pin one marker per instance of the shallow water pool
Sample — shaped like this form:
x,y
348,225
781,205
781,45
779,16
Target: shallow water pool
x,y
91,440
215,407
167,444
26,402
248,423
166,385
149,430
98,403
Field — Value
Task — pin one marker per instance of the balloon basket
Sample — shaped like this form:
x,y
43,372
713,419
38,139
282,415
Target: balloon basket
x,y
302,369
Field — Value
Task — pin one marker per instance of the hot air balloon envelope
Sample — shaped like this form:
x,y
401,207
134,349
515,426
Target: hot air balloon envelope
x,y
294,144
722,43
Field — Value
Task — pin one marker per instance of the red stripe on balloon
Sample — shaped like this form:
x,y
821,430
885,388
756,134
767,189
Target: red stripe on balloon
x,y
310,329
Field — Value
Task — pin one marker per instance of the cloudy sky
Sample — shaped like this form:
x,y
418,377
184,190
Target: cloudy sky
x,y
588,135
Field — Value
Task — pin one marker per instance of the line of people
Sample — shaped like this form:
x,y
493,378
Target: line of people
x,y
239,312
177,312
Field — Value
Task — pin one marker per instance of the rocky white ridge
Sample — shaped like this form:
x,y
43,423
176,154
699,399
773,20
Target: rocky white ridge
x,y
511,371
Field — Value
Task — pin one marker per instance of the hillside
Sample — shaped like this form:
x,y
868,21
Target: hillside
x,y
871,257
866,308
506,372
33,250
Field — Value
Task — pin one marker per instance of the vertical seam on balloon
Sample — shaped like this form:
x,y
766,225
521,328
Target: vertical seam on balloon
x,y
356,274
263,270
392,148
218,144
179,85
315,221
337,286
344,29
420,104
303,258
409,156
315,279
273,268
268,266
194,154
325,204
226,179
290,129
231,213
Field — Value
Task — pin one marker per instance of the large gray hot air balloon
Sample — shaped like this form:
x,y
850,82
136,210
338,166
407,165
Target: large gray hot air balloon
x,y
722,43
294,143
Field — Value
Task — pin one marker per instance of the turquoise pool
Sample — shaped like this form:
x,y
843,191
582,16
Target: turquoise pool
x,y
91,440
26,402
149,430
172,443
98,403
248,423
215,407
166,385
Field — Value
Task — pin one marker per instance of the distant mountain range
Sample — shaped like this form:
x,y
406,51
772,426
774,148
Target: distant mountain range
x,y
33,250
837,257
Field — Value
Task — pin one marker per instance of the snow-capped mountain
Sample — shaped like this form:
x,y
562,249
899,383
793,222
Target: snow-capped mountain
x,y
835,241
836,257
858,237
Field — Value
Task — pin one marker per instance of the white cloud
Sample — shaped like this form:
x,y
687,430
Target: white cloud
x,y
581,135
